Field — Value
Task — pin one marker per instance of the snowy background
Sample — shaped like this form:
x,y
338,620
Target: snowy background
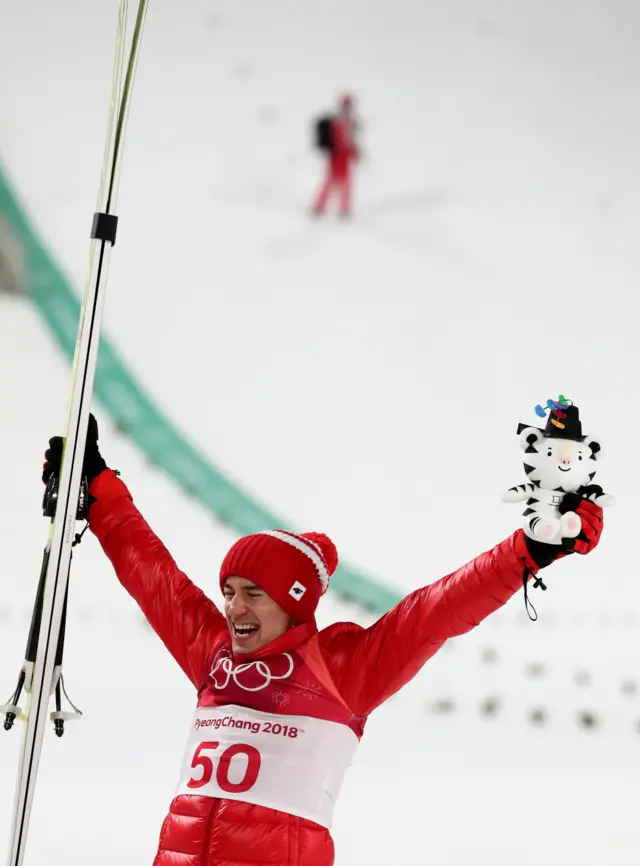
x,y
365,378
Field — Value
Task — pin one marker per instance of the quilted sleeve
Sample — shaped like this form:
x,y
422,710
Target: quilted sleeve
x,y
187,622
369,665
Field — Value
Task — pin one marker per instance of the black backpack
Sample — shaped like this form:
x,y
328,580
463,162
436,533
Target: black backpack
x,y
322,133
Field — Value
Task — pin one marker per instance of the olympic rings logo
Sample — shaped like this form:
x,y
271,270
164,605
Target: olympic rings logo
x,y
223,671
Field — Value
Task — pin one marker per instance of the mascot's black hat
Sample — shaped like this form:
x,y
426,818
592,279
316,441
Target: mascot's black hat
x,y
562,423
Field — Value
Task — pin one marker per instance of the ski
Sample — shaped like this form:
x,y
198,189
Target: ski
x,y
41,675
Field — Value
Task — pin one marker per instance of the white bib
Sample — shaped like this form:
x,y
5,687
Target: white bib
x,y
295,764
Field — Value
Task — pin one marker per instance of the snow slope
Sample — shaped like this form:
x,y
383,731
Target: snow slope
x,y
366,378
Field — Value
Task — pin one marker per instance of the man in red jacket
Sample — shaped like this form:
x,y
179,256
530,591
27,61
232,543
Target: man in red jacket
x,y
341,153
281,706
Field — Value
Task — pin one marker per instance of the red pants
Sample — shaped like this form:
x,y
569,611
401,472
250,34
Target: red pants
x,y
338,180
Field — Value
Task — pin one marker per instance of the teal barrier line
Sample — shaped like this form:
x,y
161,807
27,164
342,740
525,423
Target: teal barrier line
x,y
136,416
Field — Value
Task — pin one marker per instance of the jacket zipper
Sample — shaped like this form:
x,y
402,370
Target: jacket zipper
x,y
207,836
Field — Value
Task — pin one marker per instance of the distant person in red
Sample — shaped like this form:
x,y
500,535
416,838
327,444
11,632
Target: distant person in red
x,y
335,136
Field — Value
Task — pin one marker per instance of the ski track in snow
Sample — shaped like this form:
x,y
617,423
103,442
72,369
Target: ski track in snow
x,y
366,379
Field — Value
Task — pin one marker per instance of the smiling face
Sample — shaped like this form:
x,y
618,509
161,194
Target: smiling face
x,y
254,618
559,464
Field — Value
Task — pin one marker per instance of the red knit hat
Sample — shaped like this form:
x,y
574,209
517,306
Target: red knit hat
x,y
293,569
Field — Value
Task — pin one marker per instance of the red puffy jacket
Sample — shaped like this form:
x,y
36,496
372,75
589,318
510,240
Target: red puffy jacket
x,y
343,138
362,667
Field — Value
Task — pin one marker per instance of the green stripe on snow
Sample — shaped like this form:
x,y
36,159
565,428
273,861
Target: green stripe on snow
x,y
135,414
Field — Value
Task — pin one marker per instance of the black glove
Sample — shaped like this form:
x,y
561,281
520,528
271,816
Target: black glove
x,y
544,554
591,517
93,463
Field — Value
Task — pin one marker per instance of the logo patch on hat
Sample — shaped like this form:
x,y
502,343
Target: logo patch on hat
x,y
297,591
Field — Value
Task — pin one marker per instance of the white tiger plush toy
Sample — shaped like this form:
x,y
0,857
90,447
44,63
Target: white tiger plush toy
x,y
558,460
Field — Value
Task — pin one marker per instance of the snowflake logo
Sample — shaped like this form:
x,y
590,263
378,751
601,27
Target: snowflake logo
x,y
280,698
